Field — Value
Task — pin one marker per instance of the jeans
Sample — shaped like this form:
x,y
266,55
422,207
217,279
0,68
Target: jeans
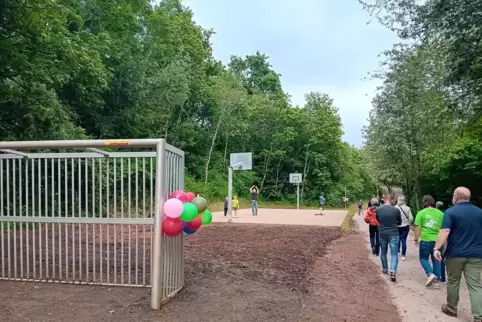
x,y
403,233
225,211
472,268
426,252
254,207
385,243
374,239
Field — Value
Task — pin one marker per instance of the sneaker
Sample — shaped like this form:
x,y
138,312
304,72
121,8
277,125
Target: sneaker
x,y
436,285
393,277
385,272
403,258
448,311
430,280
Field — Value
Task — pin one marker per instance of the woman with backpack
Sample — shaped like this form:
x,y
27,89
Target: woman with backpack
x,y
371,219
404,228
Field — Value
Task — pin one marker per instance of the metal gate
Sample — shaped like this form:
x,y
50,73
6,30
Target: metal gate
x,y
90,217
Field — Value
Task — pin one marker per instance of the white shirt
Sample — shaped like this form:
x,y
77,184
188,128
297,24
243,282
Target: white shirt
x,y
407,217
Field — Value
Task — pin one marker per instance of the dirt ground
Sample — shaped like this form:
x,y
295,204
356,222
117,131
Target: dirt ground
x,y
233,273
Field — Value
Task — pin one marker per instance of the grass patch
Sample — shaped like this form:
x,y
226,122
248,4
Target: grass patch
x,y
347,222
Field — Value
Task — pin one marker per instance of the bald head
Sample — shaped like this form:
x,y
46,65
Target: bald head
x,y
461,194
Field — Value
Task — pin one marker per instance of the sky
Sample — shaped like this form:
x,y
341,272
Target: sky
x,y
316,45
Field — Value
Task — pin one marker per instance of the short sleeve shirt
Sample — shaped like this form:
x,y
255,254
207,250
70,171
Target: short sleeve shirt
x,y
465,223
430,222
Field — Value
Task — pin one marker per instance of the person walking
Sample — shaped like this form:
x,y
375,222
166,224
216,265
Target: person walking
x,y
370,201
360,207
404,228
226,206
389,218
235,205
428,222
461,229
254,199
371,219
322,203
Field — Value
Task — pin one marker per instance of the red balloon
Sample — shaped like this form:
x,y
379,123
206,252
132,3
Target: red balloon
x,y
179,194
172,226
190,196
195,223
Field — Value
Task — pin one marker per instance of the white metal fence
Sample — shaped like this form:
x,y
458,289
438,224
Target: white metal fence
x,y
90,217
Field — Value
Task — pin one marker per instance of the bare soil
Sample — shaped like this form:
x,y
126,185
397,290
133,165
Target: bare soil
x,y
233,273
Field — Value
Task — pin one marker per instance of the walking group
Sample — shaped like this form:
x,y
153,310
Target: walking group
x,y
448,241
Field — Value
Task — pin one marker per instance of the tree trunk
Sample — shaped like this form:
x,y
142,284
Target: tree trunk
x,y
304,182
265,170
277,177
213,141
226,149
277,172
166,126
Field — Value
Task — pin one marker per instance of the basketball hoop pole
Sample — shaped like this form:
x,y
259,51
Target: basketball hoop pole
x,y
230,190
297,196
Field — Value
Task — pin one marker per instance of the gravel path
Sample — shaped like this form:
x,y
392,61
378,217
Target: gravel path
x,y
414,301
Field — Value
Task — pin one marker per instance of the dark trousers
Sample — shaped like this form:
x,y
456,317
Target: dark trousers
x,y
403,233
374,239
225,211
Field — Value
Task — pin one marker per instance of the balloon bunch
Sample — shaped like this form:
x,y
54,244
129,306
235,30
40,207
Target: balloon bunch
x,y
185,212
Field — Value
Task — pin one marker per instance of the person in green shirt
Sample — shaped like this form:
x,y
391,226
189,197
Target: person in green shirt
x,y
428,223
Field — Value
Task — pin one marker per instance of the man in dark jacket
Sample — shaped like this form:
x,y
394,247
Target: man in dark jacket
x,y
389,218
461,229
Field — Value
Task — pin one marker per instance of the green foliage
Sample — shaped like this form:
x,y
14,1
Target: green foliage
x,y
425,128
127,69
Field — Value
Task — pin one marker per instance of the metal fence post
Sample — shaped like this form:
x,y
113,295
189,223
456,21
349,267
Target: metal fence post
x,y
156,284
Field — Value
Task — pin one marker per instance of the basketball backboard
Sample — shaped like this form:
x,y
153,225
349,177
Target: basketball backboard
x,y
241,161
296,177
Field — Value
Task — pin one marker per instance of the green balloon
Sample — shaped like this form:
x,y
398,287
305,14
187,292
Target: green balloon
x,y
189,213
200,203
206,217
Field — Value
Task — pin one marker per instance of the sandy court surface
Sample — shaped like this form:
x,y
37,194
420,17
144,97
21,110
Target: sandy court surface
x,y
285,217
414,301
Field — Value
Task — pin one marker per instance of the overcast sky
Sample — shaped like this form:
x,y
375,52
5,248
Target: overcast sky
x,y
316,45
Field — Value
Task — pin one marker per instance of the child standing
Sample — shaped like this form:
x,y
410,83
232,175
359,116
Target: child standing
x,y
235,205
225,206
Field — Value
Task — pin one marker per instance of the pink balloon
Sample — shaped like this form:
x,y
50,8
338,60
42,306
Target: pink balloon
x,y
179,194
173,208
190,196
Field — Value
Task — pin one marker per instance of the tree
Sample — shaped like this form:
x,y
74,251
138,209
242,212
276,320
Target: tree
x,y
130,69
